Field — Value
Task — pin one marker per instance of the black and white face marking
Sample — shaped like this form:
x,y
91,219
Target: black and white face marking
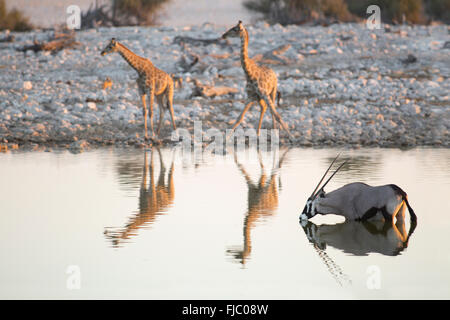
x,y
309,211
311,231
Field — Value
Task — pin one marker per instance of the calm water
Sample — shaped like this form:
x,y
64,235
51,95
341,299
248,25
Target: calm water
x,y
129,224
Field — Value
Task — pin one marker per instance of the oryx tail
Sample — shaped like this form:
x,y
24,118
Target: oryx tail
x,y
405,199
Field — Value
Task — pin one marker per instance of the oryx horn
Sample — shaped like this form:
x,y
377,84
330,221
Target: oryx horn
x,y
339,168
312,194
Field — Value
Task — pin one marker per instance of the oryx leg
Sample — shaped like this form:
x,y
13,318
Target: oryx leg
x,y
399,211
386,214
399,226
391,209
369,214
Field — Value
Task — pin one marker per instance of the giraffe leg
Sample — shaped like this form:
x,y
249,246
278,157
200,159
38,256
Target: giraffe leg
x,y
261,116
152,98
162,169
144,111
278,117
274,96
241,117
161,112
151,174
169,99
274,121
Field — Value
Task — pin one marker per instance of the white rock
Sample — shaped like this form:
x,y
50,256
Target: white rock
x,y
27,85
92,106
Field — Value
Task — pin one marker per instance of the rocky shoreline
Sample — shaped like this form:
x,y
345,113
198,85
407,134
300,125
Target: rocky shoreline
x,y
341,85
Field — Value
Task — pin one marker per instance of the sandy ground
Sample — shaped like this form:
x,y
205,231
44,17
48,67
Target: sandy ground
x,y
341,85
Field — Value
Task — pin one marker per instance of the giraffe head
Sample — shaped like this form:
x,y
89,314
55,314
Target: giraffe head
x,y
237,31
111,47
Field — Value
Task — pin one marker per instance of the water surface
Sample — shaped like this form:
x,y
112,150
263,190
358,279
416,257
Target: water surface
x,y
157,225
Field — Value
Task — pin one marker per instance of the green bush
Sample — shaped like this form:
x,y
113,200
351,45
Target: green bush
x,y
13,20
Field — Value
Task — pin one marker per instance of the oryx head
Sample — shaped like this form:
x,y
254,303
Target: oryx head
x,y
237,31
111,47
310,209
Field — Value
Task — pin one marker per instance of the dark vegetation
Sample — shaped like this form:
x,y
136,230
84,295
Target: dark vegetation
x,y
116,13
146,12
123,13
13,19
330,11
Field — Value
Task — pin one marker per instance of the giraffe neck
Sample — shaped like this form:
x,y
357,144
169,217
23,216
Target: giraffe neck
x,y
245,60
135,61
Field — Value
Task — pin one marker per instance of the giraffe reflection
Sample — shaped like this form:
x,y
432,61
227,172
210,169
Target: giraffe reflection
x,y
262,203
360,238
154,200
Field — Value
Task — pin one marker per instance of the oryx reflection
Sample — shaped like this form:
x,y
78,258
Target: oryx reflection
x,y
262,203
360,238
155,198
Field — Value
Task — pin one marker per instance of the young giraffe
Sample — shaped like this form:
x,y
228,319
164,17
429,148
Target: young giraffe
x,y
261,82
262,202
155,199
151,81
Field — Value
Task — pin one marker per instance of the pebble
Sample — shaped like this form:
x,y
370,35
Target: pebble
x,y
27,85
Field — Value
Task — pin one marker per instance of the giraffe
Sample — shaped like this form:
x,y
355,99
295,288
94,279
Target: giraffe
x,y
262,203
151,81
261,83
154,200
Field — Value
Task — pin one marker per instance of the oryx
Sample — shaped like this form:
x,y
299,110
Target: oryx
x,y
357,201
360,238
